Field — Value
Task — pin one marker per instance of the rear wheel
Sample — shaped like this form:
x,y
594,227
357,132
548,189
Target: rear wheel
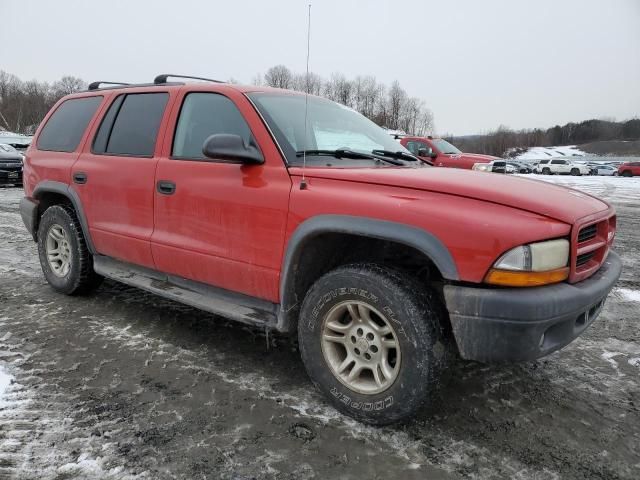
x,y
65,260
372,342
627,173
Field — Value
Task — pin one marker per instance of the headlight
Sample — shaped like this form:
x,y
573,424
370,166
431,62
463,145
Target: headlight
x,y
482,167
531,265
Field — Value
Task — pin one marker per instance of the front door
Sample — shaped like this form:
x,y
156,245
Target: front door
x,y
114,176
216,221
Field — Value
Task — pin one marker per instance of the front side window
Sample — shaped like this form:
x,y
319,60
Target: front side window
x,y
415,147
330,126
64,129
203,115
130,126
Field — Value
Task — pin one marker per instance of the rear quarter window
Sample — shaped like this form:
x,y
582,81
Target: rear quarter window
x,y
64,129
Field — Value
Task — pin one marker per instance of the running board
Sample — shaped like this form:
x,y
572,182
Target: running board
x,y
231,305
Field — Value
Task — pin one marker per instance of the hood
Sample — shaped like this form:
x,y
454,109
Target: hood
x,y
477,157
560,203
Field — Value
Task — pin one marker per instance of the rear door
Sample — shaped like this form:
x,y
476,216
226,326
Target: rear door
x,y
115,173
559,166
216,221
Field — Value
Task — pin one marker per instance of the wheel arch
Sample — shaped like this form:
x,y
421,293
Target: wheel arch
x,y
310,232
49,193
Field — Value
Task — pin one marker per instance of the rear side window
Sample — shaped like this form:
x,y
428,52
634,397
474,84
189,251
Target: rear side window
x,y
130,126
203,115
64,129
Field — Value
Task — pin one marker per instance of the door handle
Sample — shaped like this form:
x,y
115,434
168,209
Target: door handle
x,y
80,177
166,187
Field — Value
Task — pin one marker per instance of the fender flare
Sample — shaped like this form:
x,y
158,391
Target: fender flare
x,y
420,239
50,186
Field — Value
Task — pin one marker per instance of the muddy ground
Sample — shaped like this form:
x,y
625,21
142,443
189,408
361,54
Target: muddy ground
x,y
122,384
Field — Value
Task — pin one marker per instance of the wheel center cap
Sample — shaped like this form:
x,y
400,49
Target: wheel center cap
x,y
362,344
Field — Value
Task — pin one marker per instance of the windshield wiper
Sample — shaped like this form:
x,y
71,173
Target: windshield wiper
x,y
399,154
346,153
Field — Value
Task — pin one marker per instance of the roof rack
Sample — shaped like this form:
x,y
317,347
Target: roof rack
x,y
96,85
163,78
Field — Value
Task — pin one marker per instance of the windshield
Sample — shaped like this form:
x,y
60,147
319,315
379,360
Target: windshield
x,y
330,126
444,146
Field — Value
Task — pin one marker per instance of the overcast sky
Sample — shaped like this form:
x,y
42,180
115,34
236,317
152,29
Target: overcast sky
x,y
477,64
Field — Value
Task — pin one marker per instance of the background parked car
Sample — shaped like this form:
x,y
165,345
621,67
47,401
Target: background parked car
x,y
562,166
495,166
520,167
629,169
10,165
606,170
441,153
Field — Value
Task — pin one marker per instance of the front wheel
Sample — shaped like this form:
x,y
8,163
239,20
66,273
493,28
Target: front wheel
x,y
371,340
575,172
65,259
546,171
627,173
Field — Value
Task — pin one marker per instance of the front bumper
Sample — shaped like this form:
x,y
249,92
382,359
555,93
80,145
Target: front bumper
x,y
520,324
10,176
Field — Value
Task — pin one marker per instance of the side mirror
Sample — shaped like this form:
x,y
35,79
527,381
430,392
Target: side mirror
x,y
424,152
226,146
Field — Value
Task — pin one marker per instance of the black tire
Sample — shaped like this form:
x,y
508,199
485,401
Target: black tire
x,y
575,172
81,278
415,315
627,173
546,171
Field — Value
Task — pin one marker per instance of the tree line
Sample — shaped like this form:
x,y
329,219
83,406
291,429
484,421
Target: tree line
x,y
23,104
504,141
388,106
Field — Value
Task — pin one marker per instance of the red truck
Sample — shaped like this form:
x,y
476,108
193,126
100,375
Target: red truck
x,y
441,153
218,196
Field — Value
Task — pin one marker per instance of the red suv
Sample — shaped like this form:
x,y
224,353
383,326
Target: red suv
x,y
219,196
441,153
629,169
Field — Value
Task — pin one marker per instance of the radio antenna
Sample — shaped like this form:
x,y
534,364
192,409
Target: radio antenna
x,y
303,183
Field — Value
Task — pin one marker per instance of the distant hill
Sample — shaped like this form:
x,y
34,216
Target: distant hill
x,y
625,148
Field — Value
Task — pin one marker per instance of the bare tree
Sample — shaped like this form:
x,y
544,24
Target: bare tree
x,y
311,83
68,85
257,80
396,101
279,77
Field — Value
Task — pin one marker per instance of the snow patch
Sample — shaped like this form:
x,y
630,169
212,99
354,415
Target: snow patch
x,y
5,381
631,295
542,153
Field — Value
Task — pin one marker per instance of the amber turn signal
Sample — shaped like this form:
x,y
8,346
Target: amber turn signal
x,y
513,278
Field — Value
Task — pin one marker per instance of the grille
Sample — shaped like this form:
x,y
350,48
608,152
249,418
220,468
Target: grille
x,y
587,233
584,258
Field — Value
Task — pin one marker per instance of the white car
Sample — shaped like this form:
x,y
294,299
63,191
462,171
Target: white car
x,y
606,170
562,166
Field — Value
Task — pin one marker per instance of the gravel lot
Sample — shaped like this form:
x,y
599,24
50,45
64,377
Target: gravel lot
x,y
123,384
